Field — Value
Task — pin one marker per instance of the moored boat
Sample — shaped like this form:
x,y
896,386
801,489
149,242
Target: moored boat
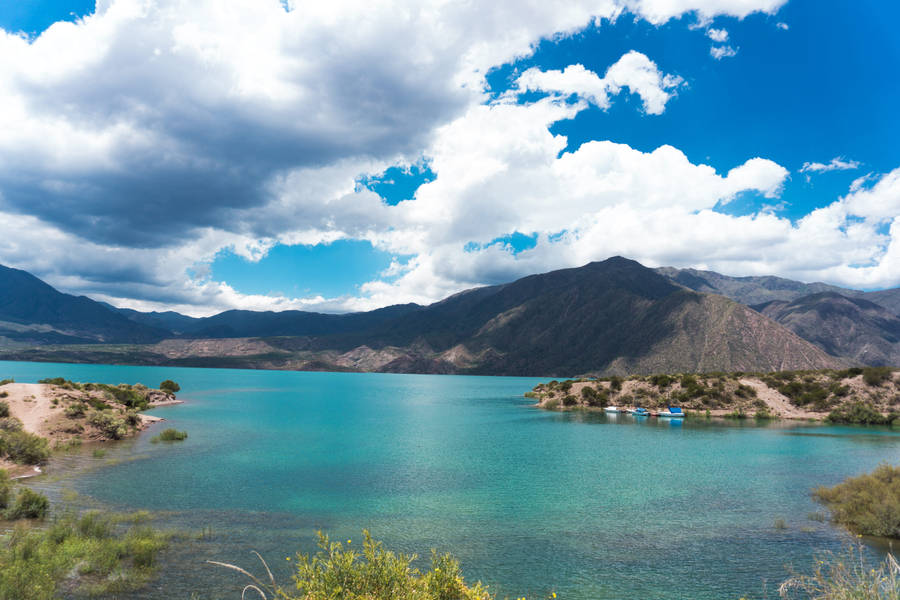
x,y
674,412
613,409
640,412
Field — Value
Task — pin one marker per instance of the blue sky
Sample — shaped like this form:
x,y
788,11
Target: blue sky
x,y
264,198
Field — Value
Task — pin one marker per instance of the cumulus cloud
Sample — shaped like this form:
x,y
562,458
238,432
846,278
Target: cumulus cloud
x,y
634,71
717,35
139,142
720,52
836,164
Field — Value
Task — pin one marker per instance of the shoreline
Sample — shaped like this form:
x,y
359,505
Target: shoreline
x,y
59,414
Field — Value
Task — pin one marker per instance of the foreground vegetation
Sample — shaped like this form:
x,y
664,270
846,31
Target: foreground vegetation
x,y
868,504
372,574
91,554
869,395
846,577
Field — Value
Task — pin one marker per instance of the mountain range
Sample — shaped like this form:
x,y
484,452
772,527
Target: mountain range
x,y
615,316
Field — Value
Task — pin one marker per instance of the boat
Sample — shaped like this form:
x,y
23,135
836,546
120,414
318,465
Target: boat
x,y
613,409
674,412
640,412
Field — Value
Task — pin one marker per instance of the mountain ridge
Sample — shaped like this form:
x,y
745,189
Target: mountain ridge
x,y
612,316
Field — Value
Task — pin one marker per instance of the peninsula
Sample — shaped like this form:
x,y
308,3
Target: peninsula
x,y
55,413
869,395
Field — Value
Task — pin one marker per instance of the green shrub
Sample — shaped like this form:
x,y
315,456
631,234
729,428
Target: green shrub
x,y
171,387
615,383
6,381
4,410
89,555
661,381
76,410
861,413
868,504
27,505
372,574
551,404
4,394
876,376
24,448
170,435
569,400
109,424
10,424
6,486
594,397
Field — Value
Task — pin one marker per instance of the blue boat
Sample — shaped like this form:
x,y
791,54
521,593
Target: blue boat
x,y
640,412
674,412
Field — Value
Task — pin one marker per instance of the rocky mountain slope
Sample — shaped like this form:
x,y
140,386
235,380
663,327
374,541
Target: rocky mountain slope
x,y
614,316
849,327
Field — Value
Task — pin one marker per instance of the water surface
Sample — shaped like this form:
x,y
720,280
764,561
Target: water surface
x,y
530,501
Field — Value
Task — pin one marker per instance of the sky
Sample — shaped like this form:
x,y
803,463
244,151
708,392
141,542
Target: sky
x,y
200,156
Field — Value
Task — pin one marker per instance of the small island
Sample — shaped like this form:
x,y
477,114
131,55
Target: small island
x,y
36,418
864,395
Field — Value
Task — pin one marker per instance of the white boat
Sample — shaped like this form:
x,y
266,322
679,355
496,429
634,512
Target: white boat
x,y
672,413
613,409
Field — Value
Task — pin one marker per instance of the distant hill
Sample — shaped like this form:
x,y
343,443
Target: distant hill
x,y
749,290
615,316
33,312
848,327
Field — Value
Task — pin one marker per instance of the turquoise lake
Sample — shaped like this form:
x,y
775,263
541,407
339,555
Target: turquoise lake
x,y
531,502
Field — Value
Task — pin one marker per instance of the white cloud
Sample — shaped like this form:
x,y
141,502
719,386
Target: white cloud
x,y
138,143
836,164
783,26
717,35
720,52
634,71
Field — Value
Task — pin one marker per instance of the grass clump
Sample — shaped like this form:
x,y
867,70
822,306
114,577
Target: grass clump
x,y
4,409
372,574
846,576
868,504
170,435
92,554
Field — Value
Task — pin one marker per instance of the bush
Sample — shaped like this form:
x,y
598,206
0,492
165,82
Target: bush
x,y
661,381
109,424
10,424
594,397
551,404
868,504
860,413
373,574
6,485
876,376
6,381
24,448
4,410
170,435
171,387
28,505
569,400
76,410
47,563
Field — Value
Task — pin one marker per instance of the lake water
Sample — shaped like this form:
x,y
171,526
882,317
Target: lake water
x,y
531,502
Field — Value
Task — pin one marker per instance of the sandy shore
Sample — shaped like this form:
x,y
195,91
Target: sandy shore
x,y
41,408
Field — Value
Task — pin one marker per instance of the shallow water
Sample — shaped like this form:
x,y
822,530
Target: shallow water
x,y
531,502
